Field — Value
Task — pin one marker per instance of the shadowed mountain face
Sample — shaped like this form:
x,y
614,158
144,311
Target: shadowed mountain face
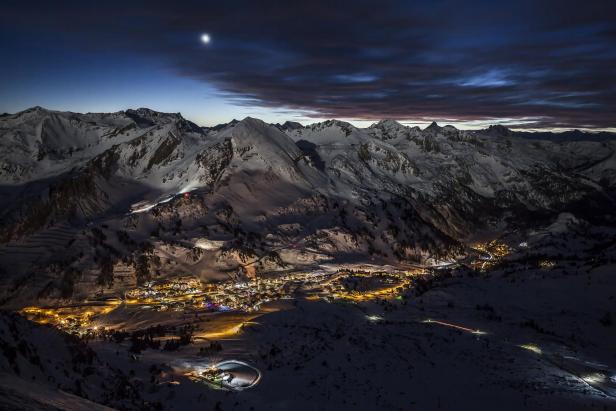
x,y
45,369
79,192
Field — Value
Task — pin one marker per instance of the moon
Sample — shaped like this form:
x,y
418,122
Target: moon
x,y
205,38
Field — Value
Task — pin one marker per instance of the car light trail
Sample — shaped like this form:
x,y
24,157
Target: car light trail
x,y
459,327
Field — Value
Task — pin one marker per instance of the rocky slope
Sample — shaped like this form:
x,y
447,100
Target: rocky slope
x,y
43,368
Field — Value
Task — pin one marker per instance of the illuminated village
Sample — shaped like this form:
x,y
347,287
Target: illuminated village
x,y
490,253
214,316
189,294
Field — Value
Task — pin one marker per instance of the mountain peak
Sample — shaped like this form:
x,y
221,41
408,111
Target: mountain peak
x,y
387,123
254,127
253,122
333,123
433,126
449,128
498,130
145,117
292,124
288,125
149,113
220,126
34,110
388,129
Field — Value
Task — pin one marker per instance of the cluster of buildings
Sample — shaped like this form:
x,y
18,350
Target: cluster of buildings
x,y
188,293
73,318
250,295
176,294
547,264
491,253
171,289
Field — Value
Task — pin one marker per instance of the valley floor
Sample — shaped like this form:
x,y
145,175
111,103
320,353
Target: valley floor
x,y
530,340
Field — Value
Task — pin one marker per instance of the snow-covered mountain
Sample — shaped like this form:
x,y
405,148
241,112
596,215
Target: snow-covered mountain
x,y
78,191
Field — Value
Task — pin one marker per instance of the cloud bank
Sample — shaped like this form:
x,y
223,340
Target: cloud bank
x,y
551,62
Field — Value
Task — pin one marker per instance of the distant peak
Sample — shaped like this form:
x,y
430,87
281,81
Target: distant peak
x,y
149,113
35,109
252,124
433,126
292,125
288,125
498,130
252,121
220,126
387,123
388,129
145,117
333,123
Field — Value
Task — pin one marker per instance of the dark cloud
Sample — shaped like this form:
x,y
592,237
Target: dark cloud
x,y
554,61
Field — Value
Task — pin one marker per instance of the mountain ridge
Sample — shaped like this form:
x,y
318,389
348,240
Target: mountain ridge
x,y
295,125
387,193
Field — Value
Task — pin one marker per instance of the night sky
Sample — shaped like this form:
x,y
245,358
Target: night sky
x,y
531,64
